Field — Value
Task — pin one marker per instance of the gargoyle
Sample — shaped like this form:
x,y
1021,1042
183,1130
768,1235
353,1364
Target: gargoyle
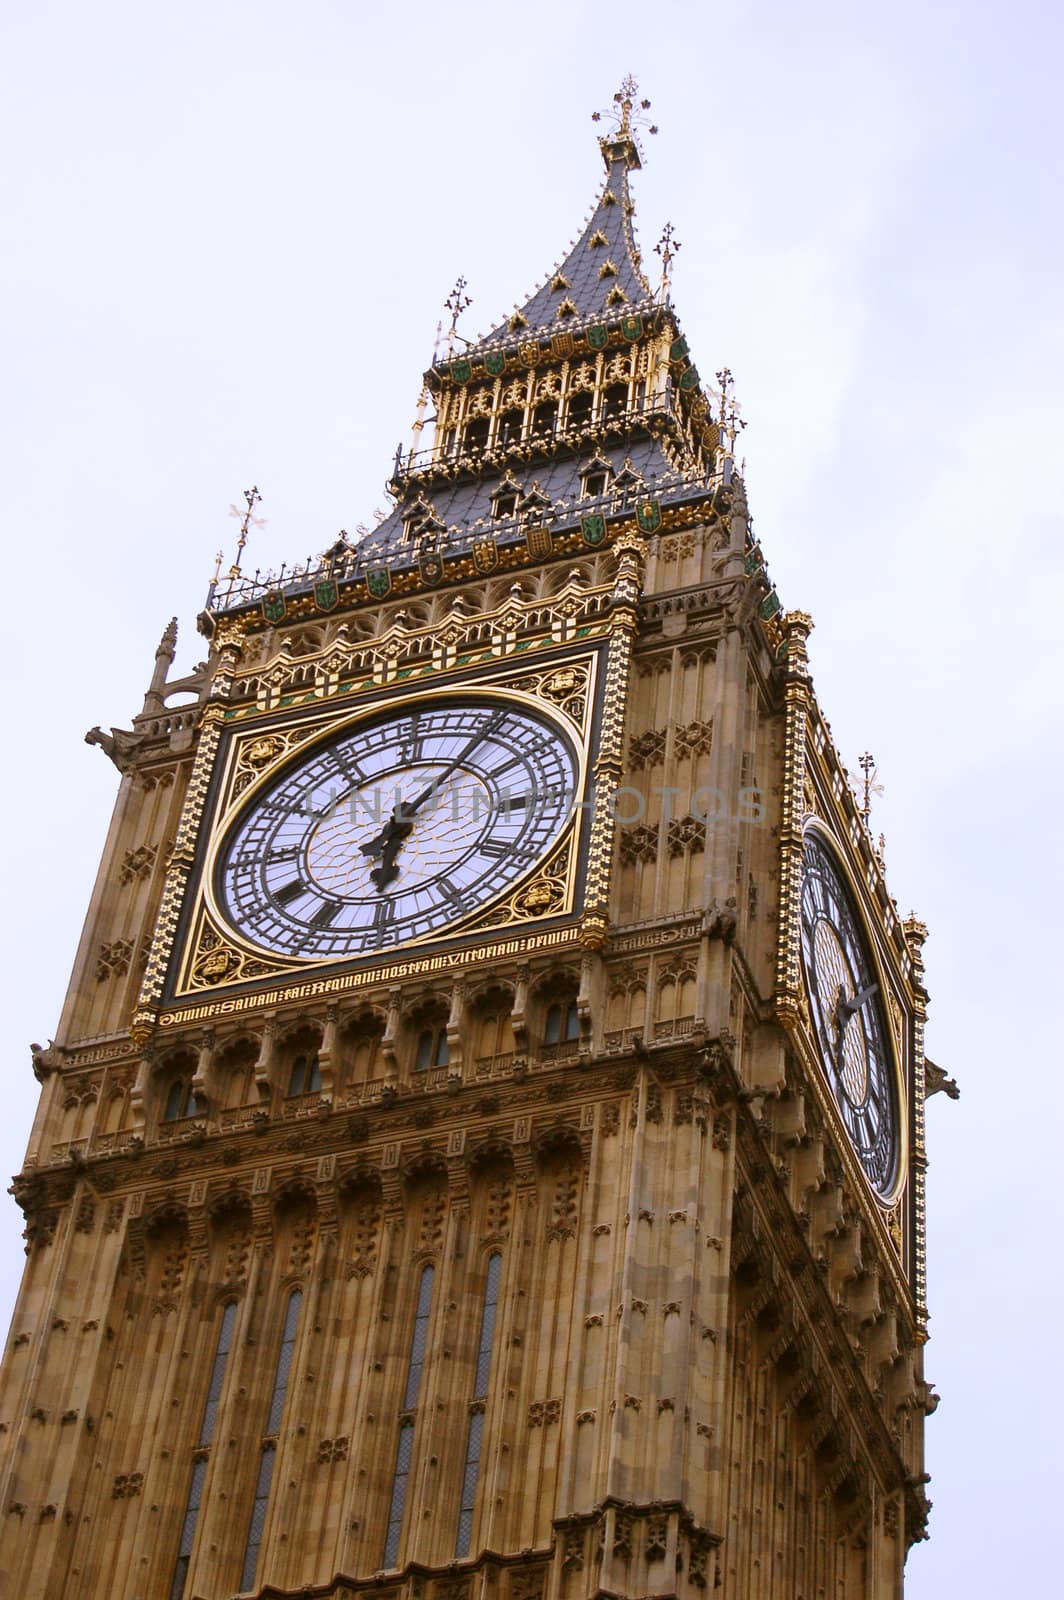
x,y
936,1079
119,745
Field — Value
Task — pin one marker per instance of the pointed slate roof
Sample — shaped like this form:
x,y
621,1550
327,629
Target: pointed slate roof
x,y
601,272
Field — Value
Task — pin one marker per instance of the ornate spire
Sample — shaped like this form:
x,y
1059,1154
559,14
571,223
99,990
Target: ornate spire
x,y
601,276
165,651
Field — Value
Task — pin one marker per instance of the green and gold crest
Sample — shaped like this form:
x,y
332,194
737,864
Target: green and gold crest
x,y
430,565
461,370
273,607
770,605
678,348
494,363
648,515
632,326
485,553
326,594
378,582
597,336
593,527
689,379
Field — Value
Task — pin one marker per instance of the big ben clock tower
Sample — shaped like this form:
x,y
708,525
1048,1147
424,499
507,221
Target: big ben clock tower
x,y
481,1156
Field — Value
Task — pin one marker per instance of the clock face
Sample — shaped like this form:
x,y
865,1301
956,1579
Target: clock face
x,y
848,1016
396,828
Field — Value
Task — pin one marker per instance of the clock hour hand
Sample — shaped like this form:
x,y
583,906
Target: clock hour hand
x,y
400,824
850,1008
387,845
846,1009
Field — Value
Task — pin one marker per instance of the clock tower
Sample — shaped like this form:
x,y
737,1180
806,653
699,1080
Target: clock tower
x,y
481,1156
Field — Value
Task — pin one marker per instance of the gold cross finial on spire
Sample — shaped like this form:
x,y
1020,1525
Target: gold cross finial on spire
x,y
630,113
456,302
248,520
667,247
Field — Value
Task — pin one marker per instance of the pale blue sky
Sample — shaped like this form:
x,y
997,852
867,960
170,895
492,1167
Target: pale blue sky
x,y
229,229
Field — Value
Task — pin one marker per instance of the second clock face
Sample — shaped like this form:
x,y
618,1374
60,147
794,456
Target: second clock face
x,y
396,828
847,1015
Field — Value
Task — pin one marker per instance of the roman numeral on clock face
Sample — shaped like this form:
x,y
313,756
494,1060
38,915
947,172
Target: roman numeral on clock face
x,y
290,892
494,849
325,914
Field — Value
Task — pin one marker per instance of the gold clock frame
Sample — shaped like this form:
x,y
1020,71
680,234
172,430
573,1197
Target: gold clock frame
x,y
563,688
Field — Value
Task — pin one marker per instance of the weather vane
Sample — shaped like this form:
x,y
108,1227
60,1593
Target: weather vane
x,y
252,496
456,302
867,764
667,247
630,112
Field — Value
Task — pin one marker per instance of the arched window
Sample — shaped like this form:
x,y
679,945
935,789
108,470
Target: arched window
x,y
545,417
432,1049
615,401
579,411
180,1102
479,1399
201,1455
510,424
405,1451
475,437
305,1076
269,1448
563,1023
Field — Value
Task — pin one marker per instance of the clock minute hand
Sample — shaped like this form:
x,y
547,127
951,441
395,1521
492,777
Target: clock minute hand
x,y
410,807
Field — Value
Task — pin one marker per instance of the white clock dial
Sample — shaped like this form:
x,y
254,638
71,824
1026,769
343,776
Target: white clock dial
x,y
397,828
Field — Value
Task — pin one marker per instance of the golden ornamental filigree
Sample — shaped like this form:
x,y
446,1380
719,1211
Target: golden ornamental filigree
x,y
217,962
255,755
544,895
229,635
565,688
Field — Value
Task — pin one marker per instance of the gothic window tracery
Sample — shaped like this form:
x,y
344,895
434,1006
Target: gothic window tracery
x,y
181,1101
405,1449
562,1024
361,1042
492,1027
432,1049
471,1472
268,1458
201,1455
305,1075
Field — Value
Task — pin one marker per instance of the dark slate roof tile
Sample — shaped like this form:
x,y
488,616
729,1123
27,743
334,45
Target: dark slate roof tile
x,y
585,289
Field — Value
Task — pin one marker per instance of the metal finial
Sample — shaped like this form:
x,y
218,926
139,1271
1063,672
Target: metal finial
x,y
248,520
725,381
867,764
667,248
456,302
731,418
629,111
